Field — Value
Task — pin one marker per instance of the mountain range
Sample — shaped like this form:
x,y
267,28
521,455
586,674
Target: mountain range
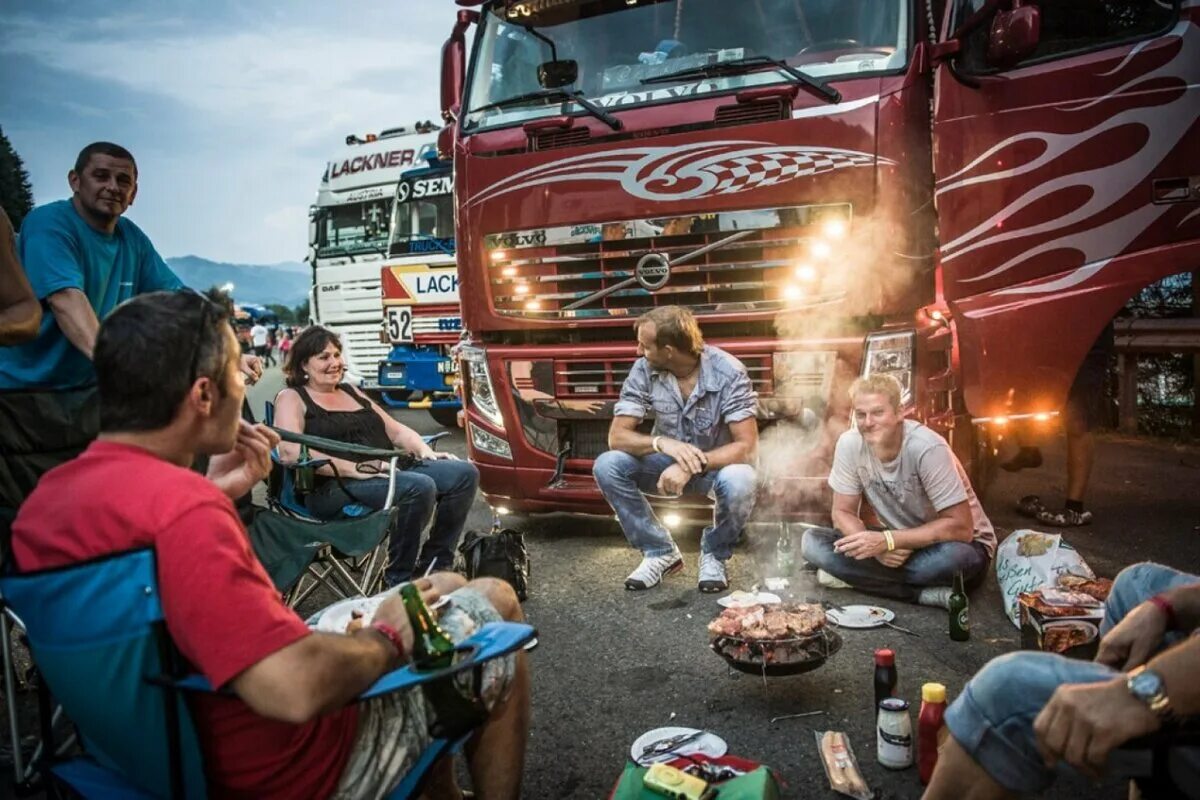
x,y
286,283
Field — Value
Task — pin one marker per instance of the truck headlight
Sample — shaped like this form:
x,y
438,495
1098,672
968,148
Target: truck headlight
x,y
489,442
892,354
479,384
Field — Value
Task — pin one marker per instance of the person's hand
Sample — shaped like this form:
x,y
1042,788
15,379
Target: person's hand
x,y
251,366
391,612
894,559
861,545
1134,639
672,480
235,473
429,454
1084,722
686,455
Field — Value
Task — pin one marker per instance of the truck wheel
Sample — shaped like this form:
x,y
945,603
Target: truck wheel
x,y
446,417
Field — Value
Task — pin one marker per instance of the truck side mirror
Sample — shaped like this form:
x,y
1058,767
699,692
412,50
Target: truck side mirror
x,y
454,59
1014,35
554,74
312,227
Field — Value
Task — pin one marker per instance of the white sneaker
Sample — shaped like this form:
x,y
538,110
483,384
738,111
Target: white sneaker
x,y
652,569
712,574
829,581
935,596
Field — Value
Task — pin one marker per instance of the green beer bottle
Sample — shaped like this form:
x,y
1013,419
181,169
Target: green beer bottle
x,y
960,625
455,707
432,649
304,475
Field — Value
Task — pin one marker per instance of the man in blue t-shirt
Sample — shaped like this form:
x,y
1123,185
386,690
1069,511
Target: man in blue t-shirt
x,y
82,259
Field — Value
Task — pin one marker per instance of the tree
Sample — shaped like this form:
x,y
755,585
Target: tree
x,y
16,193
301,313
284,313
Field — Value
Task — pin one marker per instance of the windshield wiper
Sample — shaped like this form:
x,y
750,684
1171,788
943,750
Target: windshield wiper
x,y
750,64
562,95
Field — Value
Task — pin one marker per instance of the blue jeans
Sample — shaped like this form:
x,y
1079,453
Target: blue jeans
x,y
442,487
930,566
993,717
625,481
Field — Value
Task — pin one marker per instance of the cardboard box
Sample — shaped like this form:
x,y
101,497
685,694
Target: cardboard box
x,y
1061,634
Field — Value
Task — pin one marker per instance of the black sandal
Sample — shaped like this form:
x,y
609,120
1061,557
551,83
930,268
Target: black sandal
x,y
1066,518
1030,506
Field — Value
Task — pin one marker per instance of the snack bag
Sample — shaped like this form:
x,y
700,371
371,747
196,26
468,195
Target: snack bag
x,y
841,768
1030,560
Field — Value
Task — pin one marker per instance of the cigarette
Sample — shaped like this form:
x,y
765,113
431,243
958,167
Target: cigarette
x,y
429,569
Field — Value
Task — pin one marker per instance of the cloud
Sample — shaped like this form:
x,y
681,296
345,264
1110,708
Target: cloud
x,y
232,110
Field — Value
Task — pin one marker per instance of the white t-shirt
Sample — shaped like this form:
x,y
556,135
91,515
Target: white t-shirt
x,y
258,334
924,479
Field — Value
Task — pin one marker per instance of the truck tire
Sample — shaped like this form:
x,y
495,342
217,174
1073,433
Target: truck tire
x,y
446,417
973,446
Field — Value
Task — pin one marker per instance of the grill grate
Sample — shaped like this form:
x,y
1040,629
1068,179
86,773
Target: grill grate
x,y
602,378
589,438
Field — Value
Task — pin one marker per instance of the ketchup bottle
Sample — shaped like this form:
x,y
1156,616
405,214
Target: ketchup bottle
x,y
929,728
885,675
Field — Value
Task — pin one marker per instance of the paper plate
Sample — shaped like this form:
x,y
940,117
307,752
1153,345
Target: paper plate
x,y
708,744
336,617
860,616
747,599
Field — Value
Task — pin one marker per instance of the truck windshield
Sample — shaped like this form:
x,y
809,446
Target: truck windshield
x,y
353,228
428,220
628,53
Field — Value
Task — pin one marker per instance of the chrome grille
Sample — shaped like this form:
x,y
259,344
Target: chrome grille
x,y
437,324
556,273
602,378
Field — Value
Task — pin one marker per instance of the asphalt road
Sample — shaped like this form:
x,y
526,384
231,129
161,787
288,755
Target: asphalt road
x,y
613,664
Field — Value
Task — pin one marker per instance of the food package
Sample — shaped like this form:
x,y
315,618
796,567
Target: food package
x,y
1030,560
1068,630
841,768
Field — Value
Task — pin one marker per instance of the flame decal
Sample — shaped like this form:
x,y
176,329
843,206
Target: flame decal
x,y
1161,124
688,172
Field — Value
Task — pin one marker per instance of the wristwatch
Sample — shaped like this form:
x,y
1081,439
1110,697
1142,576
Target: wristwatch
x,y
1148,686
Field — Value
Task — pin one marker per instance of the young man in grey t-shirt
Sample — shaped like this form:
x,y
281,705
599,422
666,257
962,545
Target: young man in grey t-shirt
x,y
934,524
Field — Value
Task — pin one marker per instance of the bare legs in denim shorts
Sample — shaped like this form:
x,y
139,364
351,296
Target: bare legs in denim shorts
x,y
394,730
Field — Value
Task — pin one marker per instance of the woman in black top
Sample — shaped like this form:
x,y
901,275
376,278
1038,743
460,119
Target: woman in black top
x,y
439,487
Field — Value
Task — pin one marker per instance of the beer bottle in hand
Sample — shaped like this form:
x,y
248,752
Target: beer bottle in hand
x,y
960,625
456,710
432,649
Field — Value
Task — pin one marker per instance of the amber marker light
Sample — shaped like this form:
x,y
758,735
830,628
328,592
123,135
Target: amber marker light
x,y
821,250
532,305
509,272
521,289
499,255
1042,417
792,292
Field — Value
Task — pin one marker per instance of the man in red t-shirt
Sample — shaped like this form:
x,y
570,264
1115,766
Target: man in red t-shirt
x,y
170,389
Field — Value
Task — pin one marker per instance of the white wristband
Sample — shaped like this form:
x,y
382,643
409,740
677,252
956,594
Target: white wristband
x,y
654,444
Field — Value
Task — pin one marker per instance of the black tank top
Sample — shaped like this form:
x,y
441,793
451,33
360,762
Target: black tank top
x,y
362,427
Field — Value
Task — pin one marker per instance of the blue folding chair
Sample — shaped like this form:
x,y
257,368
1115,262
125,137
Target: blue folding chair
x,y
97,633
345,563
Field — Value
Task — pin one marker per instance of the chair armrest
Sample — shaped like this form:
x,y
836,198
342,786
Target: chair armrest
x,y
298,464
431,439
351,452
493,640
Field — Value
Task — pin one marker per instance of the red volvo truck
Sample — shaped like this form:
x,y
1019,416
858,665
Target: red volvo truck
x,y
959,193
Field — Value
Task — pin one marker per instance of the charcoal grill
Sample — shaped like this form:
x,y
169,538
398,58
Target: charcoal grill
x,y
777,657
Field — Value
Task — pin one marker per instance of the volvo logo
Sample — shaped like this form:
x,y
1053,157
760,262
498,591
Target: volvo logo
x,y
653,270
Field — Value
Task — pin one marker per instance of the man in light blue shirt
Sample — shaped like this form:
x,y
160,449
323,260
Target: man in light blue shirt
x,y
704,441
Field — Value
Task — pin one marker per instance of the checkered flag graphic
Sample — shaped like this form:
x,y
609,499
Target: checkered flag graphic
x,y
764,169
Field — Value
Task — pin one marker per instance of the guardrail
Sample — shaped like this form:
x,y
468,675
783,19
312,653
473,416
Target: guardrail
x,y
1136,336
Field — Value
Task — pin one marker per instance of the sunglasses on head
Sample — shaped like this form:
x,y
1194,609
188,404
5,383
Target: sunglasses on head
x,y
209,312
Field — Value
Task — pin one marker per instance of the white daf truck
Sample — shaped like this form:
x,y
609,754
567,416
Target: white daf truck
x,y
348,240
